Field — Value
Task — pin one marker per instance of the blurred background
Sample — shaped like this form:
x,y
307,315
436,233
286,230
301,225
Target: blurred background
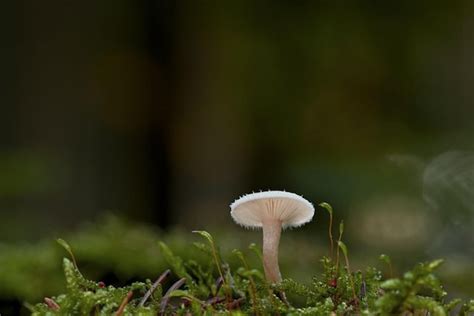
x,y
163,112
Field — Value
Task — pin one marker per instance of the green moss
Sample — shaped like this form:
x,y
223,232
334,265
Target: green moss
x,y
198,279
215,288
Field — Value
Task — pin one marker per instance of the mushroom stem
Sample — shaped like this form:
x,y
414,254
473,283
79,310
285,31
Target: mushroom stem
x,y
271,239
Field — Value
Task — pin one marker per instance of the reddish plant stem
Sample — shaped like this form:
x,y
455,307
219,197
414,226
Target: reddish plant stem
x,y
124,303
331,241
236,303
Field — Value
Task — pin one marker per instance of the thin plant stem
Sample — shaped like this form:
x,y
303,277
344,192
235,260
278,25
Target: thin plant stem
x,y
341,231
124,303
348,267
68,248
350,277
331,239
227,290
386,259
152,289
252,286
165,299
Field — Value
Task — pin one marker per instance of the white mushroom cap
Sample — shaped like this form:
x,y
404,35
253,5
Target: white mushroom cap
x,y
290,209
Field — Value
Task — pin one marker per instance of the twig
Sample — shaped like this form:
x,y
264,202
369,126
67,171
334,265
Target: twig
x,y
124,303
236,303
152,289
363,289
166,298
283,298
215,300
218,284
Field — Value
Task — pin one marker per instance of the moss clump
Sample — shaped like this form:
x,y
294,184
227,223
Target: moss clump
x,y
215,288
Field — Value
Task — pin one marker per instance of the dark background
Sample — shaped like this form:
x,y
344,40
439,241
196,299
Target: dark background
x,y
166,111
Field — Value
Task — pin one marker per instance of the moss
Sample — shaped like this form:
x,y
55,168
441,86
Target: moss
x,y
215,288
199,280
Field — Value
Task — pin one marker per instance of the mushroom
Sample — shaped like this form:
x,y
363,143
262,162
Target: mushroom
x,y
272,211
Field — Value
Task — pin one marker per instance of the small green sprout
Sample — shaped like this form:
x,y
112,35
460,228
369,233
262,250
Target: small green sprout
x,y
328,208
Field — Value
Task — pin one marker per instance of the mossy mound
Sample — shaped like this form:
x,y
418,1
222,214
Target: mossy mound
x,y
191,288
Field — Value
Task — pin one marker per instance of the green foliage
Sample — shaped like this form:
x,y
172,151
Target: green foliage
x,y
205,282
66,246
85,297
418,289
385,259
175,262
214,251
111,246
213,288
467,308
